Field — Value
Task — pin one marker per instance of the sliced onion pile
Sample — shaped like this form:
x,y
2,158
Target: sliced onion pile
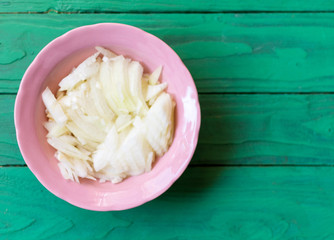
x,y
108,119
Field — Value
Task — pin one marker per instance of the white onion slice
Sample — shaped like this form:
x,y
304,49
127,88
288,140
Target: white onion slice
x,y
53,107
154,77
86,69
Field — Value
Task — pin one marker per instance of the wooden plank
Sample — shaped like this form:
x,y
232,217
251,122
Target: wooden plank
x,y
224,52
162,6
216,203
266,129
240,129
9,150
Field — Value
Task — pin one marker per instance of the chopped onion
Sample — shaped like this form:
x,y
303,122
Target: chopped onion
x,y
53,107
109,120
86,69
154,77
107,53
154,90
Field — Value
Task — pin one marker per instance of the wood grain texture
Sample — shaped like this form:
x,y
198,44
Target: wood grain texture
x,y
162,6
266,129
9,150
240,129
224,52
217,203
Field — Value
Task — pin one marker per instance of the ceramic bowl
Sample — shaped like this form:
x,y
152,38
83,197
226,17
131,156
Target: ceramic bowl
x,y
54,62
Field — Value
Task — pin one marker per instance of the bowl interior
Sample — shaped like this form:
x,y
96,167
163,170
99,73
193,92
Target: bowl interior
x,y
57,60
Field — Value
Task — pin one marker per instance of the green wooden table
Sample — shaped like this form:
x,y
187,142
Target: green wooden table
x,y
263,168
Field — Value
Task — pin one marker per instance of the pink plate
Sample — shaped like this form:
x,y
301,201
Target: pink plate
x,y
55,61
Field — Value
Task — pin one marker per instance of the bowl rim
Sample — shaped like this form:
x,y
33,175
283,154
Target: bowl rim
x,y
23,146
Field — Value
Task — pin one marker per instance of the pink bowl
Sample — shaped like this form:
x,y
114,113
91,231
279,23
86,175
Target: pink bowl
x,y
56,61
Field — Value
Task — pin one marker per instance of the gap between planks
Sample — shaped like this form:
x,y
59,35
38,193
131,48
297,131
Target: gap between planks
x,y
53,11
266,93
